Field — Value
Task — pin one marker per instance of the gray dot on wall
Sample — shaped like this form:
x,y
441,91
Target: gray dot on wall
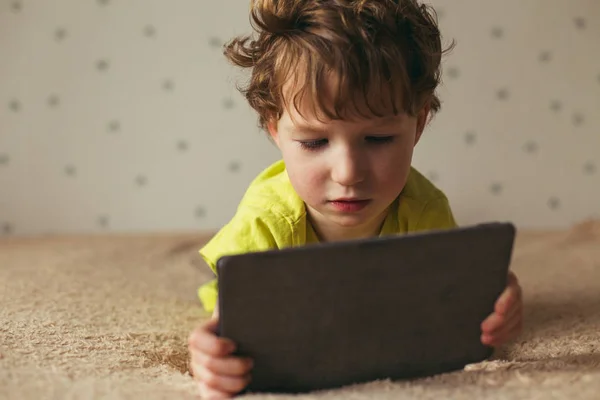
x,y
102,65
200,212
579,22
214,42
556,105
60,34
103,221
182,145
228,103
114,126
453,72
578,119
16,6
470,138
53,101
234,166
149,31
168,85
496,188
554,203
545,56
4,159
589,168
531,147
141,180
14,105
70,170
7,228
497,32
103,2
502,94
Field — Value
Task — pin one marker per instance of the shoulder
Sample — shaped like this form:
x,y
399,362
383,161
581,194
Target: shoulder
x,y
269,216
419,188
424,205
273,192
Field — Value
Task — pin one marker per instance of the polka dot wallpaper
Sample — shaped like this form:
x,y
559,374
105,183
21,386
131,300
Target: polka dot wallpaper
x,y
123,116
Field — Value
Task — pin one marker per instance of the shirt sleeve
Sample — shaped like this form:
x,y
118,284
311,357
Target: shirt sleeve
x,y
250,230
436,215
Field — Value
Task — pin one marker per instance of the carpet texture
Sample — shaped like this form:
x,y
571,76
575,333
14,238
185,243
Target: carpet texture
x,y
108,318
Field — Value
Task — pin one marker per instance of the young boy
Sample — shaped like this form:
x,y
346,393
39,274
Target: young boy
x,y
344,88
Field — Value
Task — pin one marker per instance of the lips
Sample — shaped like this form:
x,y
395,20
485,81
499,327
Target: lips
x,y
349,205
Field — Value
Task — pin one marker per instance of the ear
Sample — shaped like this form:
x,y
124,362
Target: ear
x,y
273,132
421,122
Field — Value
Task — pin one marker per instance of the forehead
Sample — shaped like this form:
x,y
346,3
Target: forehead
x,y
334,99
308,121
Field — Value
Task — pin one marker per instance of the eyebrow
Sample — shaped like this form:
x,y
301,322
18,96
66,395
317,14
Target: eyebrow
x,y
308,129
304,128
389,119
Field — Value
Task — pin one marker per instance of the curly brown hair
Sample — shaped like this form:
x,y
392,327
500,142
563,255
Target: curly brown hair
x,y
384,54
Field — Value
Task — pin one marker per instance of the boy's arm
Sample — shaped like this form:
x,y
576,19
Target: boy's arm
x,y
250,230
208,294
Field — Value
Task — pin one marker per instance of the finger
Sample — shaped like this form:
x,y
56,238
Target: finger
x,y
209,393
499,340
506,334
221,383
512,278
515,312
497,321
511,295
513,329
513,324
208,384
230,366
203,339
493,322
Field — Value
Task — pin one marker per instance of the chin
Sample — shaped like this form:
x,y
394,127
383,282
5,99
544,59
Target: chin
x,y
350,220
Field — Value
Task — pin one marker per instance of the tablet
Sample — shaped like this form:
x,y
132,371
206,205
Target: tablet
x,y
334,314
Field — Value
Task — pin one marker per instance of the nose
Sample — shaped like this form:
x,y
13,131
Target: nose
x,y
347,167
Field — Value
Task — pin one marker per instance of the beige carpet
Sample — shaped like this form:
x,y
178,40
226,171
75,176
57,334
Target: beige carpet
x,y
108,317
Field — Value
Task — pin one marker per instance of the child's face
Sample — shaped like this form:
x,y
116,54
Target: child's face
x,y
347,172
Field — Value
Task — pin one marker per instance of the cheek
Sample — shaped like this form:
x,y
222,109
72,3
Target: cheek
x,y
392,169
308,183
306,175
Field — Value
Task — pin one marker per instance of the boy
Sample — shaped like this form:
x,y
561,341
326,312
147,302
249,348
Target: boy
x,y
344,88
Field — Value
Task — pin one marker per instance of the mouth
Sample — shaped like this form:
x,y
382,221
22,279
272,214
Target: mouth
x,y
349,204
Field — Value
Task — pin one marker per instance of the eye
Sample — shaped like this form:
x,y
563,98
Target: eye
x,y
379,139
313,144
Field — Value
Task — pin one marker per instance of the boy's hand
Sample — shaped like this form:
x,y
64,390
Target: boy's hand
x,y
219,375
506,322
